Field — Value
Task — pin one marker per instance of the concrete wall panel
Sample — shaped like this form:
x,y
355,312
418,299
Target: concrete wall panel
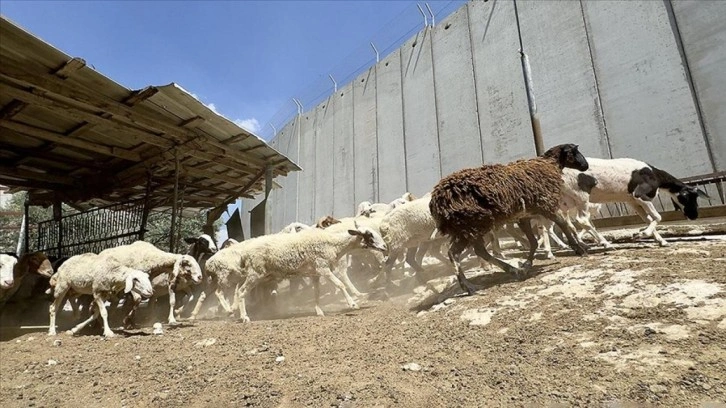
x,y
419,114
702,25
506,129
563,79
288,143
306,190
343,160
365,137
324,151
389,115
455,94
647,103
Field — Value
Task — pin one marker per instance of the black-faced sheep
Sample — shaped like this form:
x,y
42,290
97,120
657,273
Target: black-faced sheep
x,y
629,181
470,203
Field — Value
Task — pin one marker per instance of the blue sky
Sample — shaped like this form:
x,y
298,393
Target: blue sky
x,y
244,58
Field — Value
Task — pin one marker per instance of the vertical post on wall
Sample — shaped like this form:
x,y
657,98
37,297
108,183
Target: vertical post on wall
x,y
174,204
268,187
147,207
527,72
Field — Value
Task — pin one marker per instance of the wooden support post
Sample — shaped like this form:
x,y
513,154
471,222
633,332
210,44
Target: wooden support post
x,y
147,207
58,217
27,225
174,204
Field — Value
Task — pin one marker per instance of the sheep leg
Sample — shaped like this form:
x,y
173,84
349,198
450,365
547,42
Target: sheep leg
x,y
647,211
481,251
559,220
316,286
491,238
343,272
172,303
458,245
134,304
411,260
241,294
327,273
385,274
583,218
101,306
85,323
545,237
59,297
525,224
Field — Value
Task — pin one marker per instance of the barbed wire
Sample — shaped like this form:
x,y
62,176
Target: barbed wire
x,y
389,38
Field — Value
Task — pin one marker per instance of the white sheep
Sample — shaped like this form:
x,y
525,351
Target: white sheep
x,y
7,266
404,229
166,270
368,209
102,277
14,270
312,253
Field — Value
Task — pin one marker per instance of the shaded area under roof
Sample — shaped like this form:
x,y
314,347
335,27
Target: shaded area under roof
x,y
69,133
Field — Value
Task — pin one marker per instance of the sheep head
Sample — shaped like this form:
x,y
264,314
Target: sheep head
x,y
139,283
370,239
37,263
7,265
686,200
204,244
188,267
326,221
568,155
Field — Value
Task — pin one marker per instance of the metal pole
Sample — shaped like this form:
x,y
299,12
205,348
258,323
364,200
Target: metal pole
x,y
433,18
378,57
147,205
26,231
426,20
173,204
335,84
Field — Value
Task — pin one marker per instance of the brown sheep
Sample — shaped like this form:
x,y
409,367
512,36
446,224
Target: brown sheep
x,y
468,204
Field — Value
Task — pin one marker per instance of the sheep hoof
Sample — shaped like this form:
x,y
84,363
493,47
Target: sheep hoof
x,y
355,306
70,332
51,333
109,334
468,287
664,243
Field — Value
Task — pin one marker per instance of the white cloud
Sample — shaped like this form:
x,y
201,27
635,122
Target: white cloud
x,y
252,124
212,107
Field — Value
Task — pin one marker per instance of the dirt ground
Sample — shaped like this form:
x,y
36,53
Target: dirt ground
x,y
638,325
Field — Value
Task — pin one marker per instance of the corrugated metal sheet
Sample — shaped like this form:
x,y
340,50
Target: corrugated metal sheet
x,y
68,132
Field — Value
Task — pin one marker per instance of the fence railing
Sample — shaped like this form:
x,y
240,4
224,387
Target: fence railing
x,y
93,230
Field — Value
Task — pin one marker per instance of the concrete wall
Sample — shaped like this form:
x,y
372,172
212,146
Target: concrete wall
x,y
640,79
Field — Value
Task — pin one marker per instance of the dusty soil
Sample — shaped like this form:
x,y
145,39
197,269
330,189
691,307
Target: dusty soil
x,y
635,326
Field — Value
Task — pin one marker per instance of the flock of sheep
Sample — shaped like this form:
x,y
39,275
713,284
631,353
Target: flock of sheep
x,y
466,210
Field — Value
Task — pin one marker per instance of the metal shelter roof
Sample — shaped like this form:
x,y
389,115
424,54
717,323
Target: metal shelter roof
x,y
69,133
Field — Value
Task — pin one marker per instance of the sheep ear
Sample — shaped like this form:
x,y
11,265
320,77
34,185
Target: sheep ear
x,y
354,232
190,240
129,284
702,194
